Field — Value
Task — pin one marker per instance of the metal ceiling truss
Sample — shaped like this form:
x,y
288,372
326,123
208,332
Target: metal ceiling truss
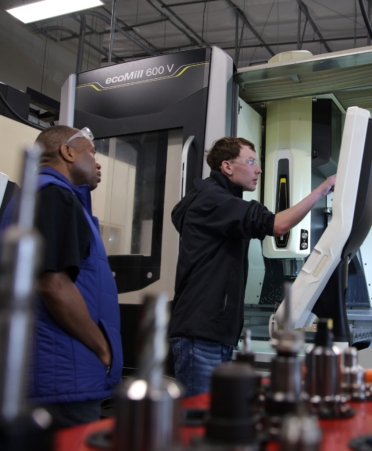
x,y
246,22
300,39
166,10
112,30
293,43
125,33
74,35
238,45
81,18
366,16
168,14
43,32
305,11
128,28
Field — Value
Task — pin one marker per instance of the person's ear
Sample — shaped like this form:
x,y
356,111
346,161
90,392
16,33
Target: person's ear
x,y
226,168
67,153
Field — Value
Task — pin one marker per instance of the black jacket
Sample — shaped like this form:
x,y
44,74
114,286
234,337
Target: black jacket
x,y
215,225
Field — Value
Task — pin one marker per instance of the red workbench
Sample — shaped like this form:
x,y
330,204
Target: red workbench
x,y
336,433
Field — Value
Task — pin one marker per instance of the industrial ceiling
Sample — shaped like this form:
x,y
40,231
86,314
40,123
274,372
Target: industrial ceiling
x,y
250,31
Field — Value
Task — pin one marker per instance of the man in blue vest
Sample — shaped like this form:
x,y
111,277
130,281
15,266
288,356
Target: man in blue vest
x,y
77,356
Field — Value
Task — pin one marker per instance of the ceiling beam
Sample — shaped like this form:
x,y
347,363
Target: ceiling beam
x,y
365,17
238,46
307,41
74,35
304,9
196,39
127,27
300,39
45,33
120,30
190,33
172,5
245,20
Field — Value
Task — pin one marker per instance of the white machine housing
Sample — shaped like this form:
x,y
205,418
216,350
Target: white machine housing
x,y
327,252
288,137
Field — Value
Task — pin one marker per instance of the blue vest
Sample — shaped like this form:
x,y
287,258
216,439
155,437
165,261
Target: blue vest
x,y
64,369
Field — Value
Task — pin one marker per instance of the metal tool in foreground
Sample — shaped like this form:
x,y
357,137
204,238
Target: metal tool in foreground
x,y
21,427
285,389
323,375
246,354
353,384
300,431
231,421
148,406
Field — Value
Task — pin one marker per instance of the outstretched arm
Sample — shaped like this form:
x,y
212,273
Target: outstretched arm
x,y
287,219
65,303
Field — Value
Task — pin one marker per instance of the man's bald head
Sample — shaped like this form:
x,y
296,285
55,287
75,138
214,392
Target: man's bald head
x,y
75,159
51,141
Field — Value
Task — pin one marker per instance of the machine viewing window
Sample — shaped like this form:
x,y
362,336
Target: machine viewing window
x,y
130,164
130,204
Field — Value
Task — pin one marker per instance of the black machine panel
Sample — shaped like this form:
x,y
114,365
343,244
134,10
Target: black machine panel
x,y
363,208
148,86
158,93
282,201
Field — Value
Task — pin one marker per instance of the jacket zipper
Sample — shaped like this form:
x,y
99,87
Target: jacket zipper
x,y
225,302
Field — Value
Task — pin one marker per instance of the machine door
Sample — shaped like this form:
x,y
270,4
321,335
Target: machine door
x,y
141,183
141,112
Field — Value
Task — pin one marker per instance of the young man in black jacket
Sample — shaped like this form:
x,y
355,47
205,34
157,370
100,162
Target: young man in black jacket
x,y
216,225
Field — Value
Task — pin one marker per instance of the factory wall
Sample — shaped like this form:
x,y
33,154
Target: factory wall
x,y
32,60
14,136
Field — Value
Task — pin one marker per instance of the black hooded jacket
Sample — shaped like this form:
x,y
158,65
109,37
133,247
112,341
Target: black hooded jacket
x,y
215,225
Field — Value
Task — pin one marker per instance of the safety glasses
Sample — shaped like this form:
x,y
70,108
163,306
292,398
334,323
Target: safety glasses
x,y
83,133
249,161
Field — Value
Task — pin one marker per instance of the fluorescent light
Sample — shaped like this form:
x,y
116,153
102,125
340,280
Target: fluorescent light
x,y
50,8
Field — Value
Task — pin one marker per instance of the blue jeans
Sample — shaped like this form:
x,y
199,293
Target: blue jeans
x,y
194,361
74,413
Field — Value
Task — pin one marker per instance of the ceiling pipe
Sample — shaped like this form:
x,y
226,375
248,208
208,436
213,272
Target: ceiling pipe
x,y
244,18
150,22
60,28
253,46
76,17
300,39
236,39
369,15
120,30
182,22
172,5
166,49
238,44
194,40
127,27
40,30
112,30
97,49
304,9
308,41
79,60
365,18
73,36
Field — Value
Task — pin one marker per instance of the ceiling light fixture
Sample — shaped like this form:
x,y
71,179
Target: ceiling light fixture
x,y
50,8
